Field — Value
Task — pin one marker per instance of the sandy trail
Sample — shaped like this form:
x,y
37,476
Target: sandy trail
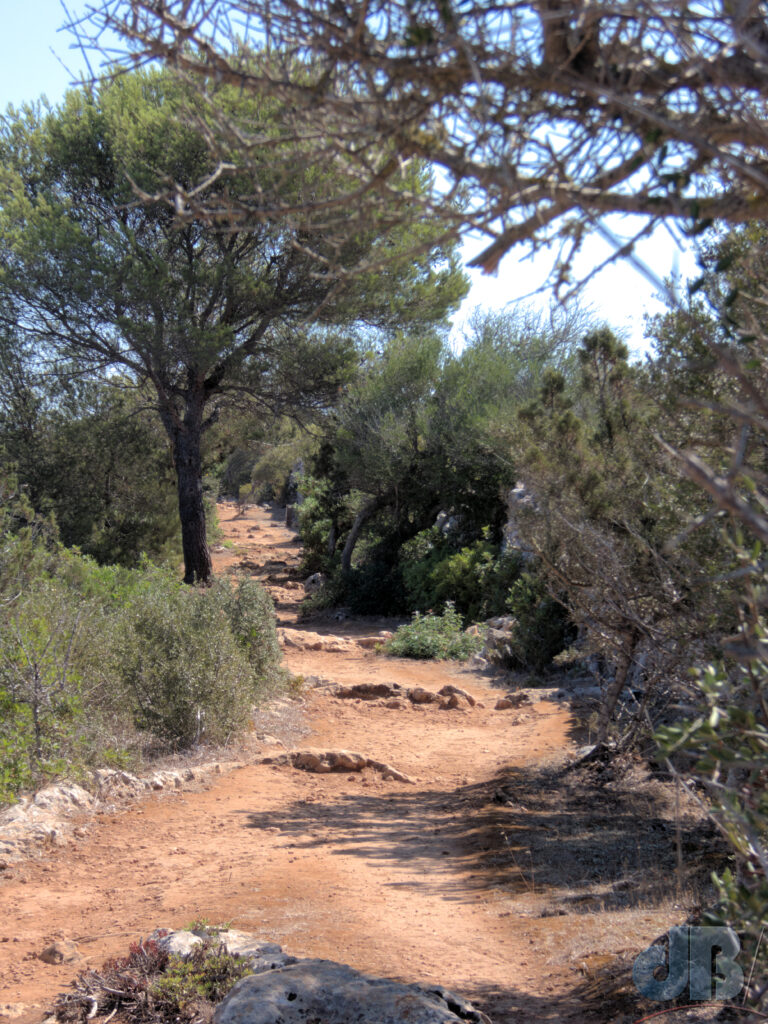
x,y
400,880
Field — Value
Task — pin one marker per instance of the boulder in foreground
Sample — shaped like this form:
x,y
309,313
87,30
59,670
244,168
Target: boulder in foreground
x,y
321,990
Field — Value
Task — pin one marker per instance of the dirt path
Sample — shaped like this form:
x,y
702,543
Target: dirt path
x,y
420,882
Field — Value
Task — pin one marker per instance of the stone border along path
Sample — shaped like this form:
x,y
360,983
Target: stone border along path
x,y
49,818
423,881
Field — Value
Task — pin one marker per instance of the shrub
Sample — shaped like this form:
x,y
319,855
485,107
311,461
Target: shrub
x,y
236,475
15,769
330,595
149,985
434,636
251,615
208,973
724,750
42,657
475,579
99,662
185,673
543,628
374,588
315,525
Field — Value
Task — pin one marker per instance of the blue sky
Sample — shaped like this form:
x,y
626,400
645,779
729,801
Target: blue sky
x,y
35,58
620,294
28,67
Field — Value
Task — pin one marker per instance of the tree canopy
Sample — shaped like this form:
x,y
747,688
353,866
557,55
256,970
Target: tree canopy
x,y
104,283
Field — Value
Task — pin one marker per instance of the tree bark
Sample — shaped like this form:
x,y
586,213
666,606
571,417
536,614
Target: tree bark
x,y
361,519
187,457
623,665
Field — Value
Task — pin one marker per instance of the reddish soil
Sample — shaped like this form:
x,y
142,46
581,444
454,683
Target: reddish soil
x,y
419,882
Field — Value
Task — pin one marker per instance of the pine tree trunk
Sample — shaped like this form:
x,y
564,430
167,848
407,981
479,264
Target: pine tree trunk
x,y
187,456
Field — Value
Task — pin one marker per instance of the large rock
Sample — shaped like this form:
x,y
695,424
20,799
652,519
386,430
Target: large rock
x,y
10,1011
370,643
179,943
35,823
455,702
62,951
320,990
505,623
512,700
521,504
324,761
314,583
113,785
499,646
64,798
418,695
306,640
369,691
449,690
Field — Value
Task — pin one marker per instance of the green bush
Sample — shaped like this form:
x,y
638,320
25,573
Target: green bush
x,y
251,615
724,749
98,663
476,579
374,588
186,675
543,628
15,768
42,657
315,525
434,636
236,475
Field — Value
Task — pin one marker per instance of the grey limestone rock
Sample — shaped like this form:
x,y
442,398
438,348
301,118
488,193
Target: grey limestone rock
x,y
321,990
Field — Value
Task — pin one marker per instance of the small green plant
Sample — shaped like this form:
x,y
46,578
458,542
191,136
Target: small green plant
x,y
202,924
149,985
434,636
296,685
197,924
207,974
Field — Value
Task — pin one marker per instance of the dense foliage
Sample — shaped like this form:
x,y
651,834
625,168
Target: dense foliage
x,y
93,455
102,664
405,497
